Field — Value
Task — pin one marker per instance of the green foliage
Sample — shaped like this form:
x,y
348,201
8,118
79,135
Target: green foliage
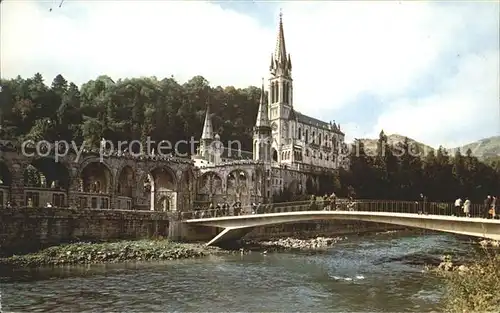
x,y
110,252
124,110
395,173
474,289
132,109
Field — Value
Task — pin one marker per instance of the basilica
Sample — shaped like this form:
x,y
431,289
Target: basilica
x,y
289,148
290,153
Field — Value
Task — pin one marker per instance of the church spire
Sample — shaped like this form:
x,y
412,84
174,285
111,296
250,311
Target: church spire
x,y
280,58
262,116
280,52
208,132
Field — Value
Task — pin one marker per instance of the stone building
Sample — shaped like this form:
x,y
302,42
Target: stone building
x,y
290,153
116,182
290,149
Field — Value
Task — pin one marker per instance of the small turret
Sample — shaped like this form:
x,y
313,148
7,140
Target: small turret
x,y
208,132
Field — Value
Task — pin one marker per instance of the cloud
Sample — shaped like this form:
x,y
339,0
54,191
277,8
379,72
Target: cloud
x,y
461,109
394,51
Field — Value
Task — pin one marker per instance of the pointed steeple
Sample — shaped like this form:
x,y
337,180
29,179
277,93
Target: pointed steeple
x,y
280,52
281,60
262,116
208,132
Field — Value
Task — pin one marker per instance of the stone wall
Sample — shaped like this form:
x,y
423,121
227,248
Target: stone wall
x,y
312,229
29,229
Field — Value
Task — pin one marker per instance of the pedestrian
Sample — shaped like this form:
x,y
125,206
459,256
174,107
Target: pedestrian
x,y
493,207
487,206
458,206
467,207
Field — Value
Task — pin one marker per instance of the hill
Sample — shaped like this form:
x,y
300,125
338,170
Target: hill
x,y
487,148
370,145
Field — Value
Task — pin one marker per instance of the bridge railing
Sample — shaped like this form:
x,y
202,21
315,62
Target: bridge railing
x,y
415,207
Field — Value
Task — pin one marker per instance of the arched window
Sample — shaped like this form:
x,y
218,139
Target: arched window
x,y
276,92
326,140
313,139
319,140
306,139
300,134
272,92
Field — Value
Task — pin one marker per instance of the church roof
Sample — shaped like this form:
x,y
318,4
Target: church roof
x,y
304,119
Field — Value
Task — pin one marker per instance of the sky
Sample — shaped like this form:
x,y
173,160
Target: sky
x,y
426,70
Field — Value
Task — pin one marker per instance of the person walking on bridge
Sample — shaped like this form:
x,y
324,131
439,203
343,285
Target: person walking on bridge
x,y
493,207
487,206
467,207
458,206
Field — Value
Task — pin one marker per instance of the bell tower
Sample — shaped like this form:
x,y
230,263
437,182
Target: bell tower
x,y
280,97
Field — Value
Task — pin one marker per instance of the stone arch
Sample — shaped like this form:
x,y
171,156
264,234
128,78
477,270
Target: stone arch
x,y
125,182
96,177
274,154
259,182
187,187
5,183
46,181
52,174
162,183
237,185
310,186
5,175
210,185
293,187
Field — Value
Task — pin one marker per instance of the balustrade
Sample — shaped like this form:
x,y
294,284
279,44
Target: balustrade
x,y
413,207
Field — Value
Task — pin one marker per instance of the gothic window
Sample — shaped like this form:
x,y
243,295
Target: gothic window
x,y
271,93
326,140
283,91
306,139
319,140
300,134
313,139
276,92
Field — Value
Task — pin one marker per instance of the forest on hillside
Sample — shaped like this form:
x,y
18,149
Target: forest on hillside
x,y
136,108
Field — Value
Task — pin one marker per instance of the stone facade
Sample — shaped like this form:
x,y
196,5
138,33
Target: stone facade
x,y
114,182
290,149
29,229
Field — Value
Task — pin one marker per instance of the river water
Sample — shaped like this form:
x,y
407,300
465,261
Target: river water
x,y
375,273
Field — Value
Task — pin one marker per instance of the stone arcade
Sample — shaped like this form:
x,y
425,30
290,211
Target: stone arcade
x,y
290,151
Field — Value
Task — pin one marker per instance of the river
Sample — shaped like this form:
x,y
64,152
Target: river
x,y
375,273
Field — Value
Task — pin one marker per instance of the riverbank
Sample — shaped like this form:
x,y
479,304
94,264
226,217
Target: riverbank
x,y
472,286
155,250
112,252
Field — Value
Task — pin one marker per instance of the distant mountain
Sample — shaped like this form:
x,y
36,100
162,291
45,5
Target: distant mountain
x,y
486,148
370,145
